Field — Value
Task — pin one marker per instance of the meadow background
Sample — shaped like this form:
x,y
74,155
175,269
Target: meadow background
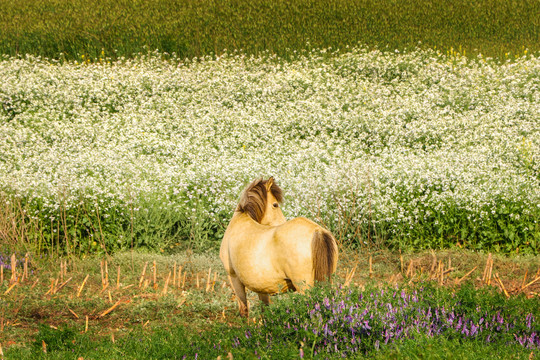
x,y
409,151
395,125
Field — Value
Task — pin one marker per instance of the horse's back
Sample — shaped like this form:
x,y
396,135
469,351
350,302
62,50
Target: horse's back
x,y
296,232
265,257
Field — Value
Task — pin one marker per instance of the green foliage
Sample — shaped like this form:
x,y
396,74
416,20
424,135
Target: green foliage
x,y
95,227
281,334
83,30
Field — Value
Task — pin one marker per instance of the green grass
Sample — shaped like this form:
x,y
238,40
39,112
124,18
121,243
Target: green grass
x,y
98,29
250,341
175,343
192,321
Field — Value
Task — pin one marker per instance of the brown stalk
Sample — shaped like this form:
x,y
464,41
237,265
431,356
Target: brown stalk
x,y
350,275
449,270
530,283
118,277
487,270
55,285
1,275
86,324
166,286
467,274
62,285
51,288
105,287
82,285
180,276
490,271
10,288
25,272
501,284
155,275
208,280
441,270
410,269
174,274
13,269
106,272
370,266
214,282
110,309
102,274
73,313
142,274
524,278
62,270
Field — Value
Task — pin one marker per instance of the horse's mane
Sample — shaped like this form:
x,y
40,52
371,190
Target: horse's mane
x,y
253,200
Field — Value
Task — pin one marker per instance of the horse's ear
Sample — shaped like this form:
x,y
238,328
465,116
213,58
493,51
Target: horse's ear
x,y
269,183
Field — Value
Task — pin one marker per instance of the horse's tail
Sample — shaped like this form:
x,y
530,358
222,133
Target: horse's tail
x,y
324,252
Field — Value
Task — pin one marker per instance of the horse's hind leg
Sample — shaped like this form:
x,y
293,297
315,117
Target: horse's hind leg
x,y
265,298
301,285
240,291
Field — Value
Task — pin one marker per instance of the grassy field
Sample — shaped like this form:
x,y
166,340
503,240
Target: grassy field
x,y
70,308
97,29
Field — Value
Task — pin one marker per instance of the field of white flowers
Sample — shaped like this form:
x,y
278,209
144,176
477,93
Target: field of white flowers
x,y
413,150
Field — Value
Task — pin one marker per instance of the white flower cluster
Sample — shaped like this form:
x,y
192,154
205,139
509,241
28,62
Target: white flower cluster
x,y
401,137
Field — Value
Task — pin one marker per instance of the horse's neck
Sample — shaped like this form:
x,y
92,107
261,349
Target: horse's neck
x,y
240,216
243,219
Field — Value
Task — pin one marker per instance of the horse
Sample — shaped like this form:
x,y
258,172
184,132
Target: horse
x,y
264,252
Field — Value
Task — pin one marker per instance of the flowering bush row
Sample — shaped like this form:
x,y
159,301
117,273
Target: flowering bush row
x,y
414,150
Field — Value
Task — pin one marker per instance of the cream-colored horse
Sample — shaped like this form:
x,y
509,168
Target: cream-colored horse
x,y
267,254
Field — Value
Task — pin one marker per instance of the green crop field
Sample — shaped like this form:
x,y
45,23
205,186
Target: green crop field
x,y
72,28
